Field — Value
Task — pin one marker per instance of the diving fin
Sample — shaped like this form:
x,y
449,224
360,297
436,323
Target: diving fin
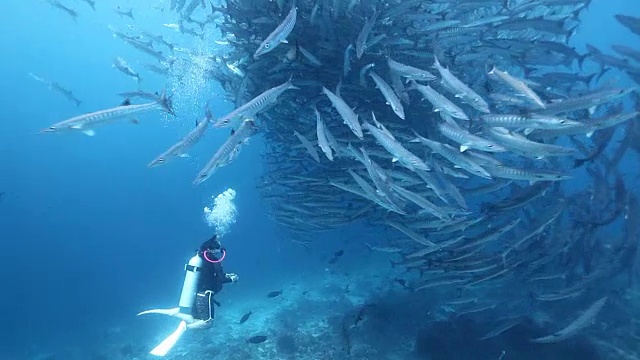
x,y
169,312
175,312
170,341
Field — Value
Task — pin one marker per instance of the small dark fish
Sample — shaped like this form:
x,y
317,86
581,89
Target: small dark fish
x,y
336,256
632,23
402,282
245,317
128,13
258,339
69,11
274,294
361,314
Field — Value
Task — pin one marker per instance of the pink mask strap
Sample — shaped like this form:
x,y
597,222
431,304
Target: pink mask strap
x,y
224,253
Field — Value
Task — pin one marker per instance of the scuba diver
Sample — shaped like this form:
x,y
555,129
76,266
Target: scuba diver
x,y
212,277
204,278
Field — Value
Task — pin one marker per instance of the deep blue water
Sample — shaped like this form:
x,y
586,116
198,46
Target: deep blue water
x,y
89,234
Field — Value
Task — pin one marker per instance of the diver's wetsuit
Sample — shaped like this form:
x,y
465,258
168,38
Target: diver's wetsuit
x,y
212,277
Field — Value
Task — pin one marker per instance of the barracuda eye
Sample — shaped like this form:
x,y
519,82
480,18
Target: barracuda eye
x,y
562,122
266,46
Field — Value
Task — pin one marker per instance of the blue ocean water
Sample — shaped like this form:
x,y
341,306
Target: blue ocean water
x,y
91,236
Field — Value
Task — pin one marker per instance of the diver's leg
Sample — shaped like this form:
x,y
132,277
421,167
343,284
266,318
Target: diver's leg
x,y
200,324
203,311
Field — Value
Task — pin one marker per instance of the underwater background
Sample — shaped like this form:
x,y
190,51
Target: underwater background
x,y
91,235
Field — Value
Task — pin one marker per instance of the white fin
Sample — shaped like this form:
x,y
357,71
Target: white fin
x,y
184,156
592,110
589,134
528,131
463,148
284,41
76,126
174,312
167,344
394,159
89,132
169,312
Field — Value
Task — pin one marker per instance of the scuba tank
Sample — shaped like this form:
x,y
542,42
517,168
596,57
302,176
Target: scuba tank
x,y
183,312
190,285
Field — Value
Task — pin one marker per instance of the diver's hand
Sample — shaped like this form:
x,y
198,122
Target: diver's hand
x,y
233,277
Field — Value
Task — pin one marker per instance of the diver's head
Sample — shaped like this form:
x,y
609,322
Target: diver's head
x,y
212,251
210,245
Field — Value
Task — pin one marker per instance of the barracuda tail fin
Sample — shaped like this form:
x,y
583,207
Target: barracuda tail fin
x,y
581,59
208,115
290,83
165,102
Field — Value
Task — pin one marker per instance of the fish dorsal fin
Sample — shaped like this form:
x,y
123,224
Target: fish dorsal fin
x,y
233,131
197,123
126,102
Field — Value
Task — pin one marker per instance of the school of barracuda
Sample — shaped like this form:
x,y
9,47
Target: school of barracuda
x,y
467,131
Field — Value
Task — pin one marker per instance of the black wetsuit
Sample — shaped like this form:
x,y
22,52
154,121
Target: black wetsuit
x,y
212,277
